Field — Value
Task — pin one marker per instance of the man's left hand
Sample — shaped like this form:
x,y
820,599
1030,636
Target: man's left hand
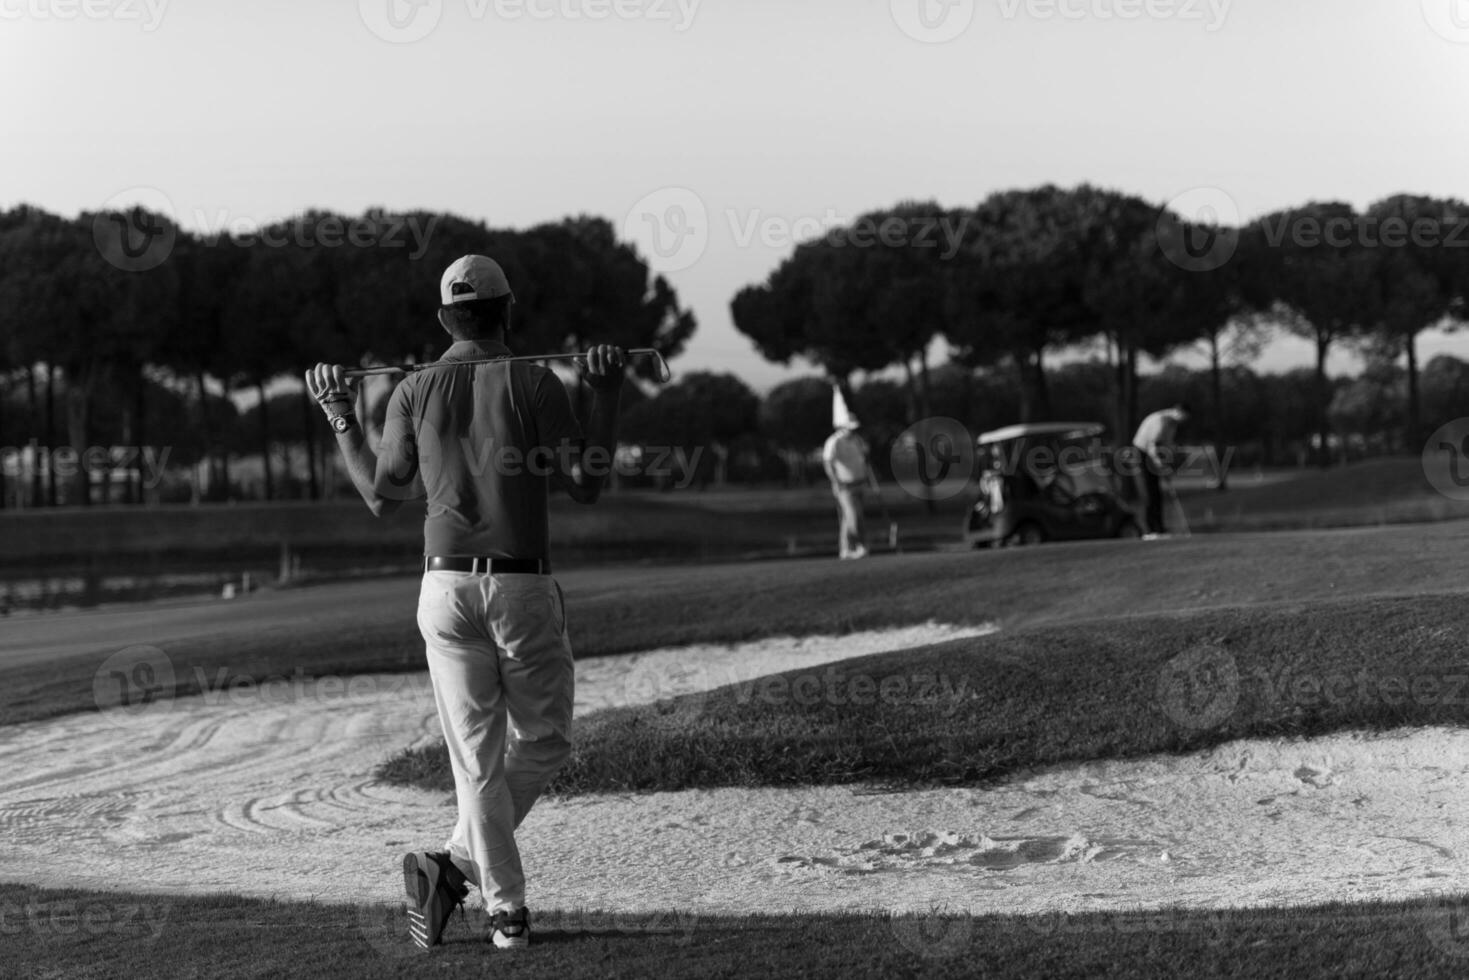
x,y
603,366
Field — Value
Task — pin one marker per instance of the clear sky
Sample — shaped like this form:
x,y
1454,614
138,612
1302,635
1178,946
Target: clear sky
x,y
736,122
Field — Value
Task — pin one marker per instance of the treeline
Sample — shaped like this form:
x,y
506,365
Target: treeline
x,y
1028,275
122,328
1263,419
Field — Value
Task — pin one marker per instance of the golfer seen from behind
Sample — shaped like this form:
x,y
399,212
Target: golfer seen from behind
x,y
492,617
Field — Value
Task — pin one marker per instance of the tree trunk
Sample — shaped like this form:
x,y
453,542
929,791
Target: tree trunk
x,y
925,392
51,496
308,412
1415,429
211,474
1132,412
1323,401
2,462
33,399
913,409
78,430
265,443
1216,385
224,457
140,432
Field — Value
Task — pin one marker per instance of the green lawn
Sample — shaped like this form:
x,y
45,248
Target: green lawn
x,y
146,937
619,610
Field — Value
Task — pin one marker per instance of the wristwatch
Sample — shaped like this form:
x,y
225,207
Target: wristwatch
x,y
342,423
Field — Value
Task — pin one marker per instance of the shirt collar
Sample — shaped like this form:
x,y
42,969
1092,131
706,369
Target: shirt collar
x,y
471,350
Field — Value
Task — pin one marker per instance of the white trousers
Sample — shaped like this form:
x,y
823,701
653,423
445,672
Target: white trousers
x,y
500,659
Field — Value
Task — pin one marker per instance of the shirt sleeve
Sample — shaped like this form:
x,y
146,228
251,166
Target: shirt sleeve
x,y
555,423
397,457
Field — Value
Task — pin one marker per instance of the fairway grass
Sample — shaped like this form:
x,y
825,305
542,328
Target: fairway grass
x,y
615,611
150,937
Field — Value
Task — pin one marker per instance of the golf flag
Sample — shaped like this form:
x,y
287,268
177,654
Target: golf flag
x,y
841,415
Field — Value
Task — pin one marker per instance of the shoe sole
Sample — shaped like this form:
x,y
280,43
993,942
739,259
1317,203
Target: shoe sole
x,y
419,884
503,941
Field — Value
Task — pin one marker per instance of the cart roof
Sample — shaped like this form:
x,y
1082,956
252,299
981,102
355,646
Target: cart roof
x,y
1061,430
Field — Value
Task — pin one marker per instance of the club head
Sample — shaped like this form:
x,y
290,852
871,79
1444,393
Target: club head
x,y
661,373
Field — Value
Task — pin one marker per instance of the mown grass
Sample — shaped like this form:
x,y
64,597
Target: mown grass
x,y
146,937
622,610
973,710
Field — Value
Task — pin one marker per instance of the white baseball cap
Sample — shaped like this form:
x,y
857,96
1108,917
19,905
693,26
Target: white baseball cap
x,y
473,277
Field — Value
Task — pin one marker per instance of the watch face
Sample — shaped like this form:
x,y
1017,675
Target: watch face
x,y
341,423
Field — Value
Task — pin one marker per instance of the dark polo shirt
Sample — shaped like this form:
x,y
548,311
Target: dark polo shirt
x,y
483,440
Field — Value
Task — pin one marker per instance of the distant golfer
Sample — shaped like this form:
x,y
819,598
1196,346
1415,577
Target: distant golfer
x,y
483,442
1155,442
845,459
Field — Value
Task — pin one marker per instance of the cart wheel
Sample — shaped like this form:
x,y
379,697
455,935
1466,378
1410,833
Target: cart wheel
x,y
1025,535
1129,530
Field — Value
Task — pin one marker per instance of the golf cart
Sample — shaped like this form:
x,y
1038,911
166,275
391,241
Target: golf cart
x,y
1048,481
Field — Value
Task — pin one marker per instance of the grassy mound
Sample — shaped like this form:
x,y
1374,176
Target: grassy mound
x,y
976,709
147,937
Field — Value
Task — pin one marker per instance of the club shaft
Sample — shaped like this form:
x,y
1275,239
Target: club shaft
x,y
414,368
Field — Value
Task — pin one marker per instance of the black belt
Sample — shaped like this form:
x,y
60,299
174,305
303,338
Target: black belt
x,y
488,566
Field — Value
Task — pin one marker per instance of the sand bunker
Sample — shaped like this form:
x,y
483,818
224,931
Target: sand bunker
x,y
268,792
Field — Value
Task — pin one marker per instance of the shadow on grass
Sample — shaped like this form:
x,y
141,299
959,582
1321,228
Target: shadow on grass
x,y
147,937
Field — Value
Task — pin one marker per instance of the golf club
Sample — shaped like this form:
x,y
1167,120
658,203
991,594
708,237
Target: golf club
x,y
660,366
886,516
1178,508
